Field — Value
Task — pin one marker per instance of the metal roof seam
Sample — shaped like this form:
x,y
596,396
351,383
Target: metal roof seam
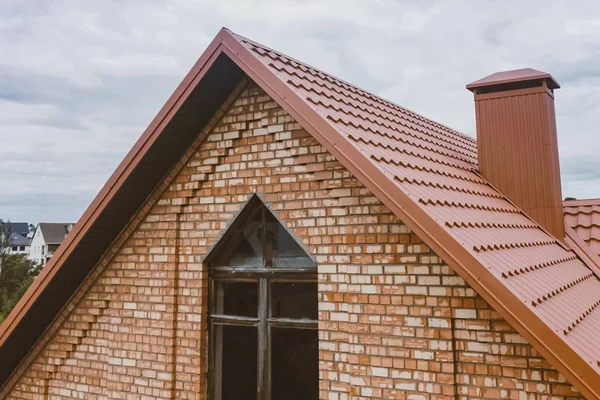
x,y
368,117
535,267
560,241
503,246
575,323
444,145
561,289
421,168
413,153
448,203
438,185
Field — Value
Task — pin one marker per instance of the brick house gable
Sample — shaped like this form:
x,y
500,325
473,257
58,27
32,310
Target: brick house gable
x,y
395,320
480,251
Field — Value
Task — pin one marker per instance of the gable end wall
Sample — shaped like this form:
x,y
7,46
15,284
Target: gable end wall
x,y
395,321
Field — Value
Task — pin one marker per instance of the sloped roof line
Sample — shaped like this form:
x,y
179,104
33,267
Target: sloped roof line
x,y
427,222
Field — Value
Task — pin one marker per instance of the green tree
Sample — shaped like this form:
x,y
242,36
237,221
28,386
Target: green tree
x,y
16,273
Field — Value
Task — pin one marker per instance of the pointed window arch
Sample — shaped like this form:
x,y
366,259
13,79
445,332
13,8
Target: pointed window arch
x,y
263,311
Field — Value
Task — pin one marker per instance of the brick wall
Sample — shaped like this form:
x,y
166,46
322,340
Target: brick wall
x,y
395,322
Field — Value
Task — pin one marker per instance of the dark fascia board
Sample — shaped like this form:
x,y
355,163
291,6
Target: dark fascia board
x,y
550,345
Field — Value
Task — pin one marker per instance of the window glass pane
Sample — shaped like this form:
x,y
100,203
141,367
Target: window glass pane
x,y
237,361
236,298
244,244
284,250
294,364
294,300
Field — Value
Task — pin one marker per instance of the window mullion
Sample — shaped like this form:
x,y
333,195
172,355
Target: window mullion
x,y
263,380
263,233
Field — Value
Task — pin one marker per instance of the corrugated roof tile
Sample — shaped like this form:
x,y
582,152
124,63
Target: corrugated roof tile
x,y
584,217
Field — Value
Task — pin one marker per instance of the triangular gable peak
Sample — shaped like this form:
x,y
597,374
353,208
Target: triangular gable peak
x,y
38,234
257,239
422,171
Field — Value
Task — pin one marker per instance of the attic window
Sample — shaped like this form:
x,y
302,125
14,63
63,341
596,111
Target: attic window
x,y
263,312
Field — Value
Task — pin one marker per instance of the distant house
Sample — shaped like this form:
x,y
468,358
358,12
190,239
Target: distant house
x,y
46,239
19,235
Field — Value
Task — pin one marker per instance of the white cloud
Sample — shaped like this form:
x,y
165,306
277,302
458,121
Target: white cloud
x,y
79,81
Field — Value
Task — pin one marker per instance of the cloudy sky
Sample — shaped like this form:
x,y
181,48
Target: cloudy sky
x,y
80,80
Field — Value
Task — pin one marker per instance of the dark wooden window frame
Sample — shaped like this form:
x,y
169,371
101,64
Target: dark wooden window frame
x,y
264,276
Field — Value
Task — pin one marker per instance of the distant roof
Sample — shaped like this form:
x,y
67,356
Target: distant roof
x,y
22,228
19,240
424,172
515,75
584,217
55,233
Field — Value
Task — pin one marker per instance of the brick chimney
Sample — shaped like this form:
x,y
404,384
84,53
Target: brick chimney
x,y
517,144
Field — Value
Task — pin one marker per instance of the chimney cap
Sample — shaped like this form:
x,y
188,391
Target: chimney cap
x,y
515,75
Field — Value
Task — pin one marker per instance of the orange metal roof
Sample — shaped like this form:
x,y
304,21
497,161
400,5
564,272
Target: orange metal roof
x,y
426,174
584,217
